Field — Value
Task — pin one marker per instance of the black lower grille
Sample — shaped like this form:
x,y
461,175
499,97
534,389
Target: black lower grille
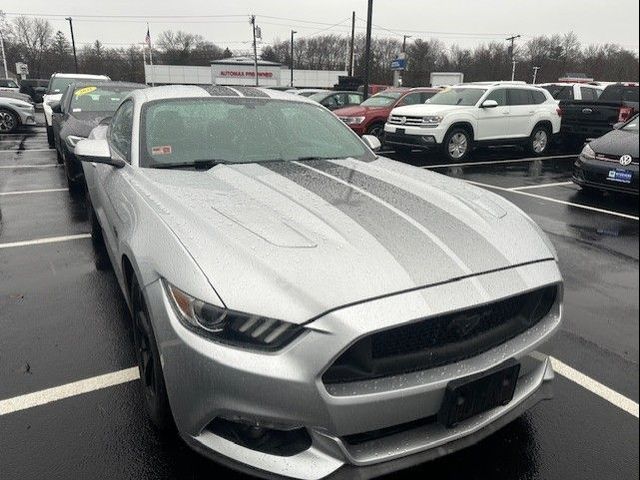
x,y
438,341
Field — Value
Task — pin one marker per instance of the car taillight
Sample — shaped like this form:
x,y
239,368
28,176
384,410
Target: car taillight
x,y
624,114
559,111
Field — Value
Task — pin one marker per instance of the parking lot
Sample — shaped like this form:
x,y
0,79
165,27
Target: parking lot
x,y
69,402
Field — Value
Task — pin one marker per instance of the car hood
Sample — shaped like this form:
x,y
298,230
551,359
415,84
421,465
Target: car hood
x,y
82,123
359,111
617,142
293,240
427,109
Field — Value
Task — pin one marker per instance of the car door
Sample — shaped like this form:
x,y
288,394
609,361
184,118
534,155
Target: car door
x,y
58,118
493,123
111,207
521,112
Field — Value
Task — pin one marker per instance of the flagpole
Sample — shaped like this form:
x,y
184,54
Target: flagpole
x,y
153,84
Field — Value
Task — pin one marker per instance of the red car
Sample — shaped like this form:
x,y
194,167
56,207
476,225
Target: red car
x,y
370,116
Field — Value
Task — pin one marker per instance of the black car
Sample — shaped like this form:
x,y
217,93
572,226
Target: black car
x,y
82,107
34,87
611,161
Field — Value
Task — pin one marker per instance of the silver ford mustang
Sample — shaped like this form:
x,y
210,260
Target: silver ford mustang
x,y
303,307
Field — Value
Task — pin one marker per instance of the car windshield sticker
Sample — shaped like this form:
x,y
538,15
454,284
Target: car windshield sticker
x,y
163,150
85,90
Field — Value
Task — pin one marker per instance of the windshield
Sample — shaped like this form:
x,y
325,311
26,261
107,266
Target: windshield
x,y
457,96
59,84
632,126
560,92
619,93
8,83
308,94
318,97
385,99
241,130
98,98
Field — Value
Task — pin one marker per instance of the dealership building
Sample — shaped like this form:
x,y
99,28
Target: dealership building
x,y
240,71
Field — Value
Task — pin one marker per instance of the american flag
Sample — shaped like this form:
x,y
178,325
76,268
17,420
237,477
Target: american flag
x,y
147,39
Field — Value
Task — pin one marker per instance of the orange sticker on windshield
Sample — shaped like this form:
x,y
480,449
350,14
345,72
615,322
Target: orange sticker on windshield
x,y
85,90
163,150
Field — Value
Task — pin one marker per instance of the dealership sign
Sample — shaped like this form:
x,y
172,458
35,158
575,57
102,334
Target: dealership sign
x,y
245,73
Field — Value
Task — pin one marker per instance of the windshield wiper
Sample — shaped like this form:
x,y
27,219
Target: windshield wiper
x,y
311,158
196,164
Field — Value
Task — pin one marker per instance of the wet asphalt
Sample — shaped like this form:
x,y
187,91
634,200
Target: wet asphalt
x,y
61,320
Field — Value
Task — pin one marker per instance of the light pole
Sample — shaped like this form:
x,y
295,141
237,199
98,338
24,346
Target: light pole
x,y
535,74
404,42
73,43
4,57
367,50
293,32
512,39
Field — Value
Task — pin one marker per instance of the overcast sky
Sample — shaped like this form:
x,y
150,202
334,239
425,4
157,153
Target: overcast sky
x,y
466,22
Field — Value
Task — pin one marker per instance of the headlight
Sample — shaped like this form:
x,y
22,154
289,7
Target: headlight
x,y
72,141
228,326
432,120
352,120
588,153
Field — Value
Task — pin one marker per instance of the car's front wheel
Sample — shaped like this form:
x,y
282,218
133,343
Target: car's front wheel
x,y
8,121
377,130
152,384
457,144
539,140
50,139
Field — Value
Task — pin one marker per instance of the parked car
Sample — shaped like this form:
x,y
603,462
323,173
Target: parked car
x,y
611,161
369,117
461,117
336,100
56,87
582,119
14,112
298,301
82,107
36,88
572,91
9,85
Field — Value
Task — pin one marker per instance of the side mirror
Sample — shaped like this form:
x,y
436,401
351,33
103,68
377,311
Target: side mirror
x,y
372,142
489,104
56,107
97,151
618,126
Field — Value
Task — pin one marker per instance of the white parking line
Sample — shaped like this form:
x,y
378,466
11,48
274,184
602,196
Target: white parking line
x,y
611,396
43,241
42,397
497,162
27,192
54,394
46,165
553,200
21,152
542,185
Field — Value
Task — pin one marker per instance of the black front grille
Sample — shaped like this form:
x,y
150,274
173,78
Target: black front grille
x,y
437,341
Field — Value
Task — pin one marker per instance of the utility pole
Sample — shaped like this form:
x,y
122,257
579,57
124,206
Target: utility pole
x,y
512,51
73,43
404,43
352,46
4,57
367,51
255,48
535,74
293,32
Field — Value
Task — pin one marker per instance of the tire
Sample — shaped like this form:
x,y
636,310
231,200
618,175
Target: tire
x,y
591,191
101,257
9,121
377,130
153,388
50,140
76,187
457,144
539,141
59,157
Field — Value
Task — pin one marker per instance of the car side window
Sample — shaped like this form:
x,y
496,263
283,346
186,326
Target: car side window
x,y
518,96
121,130
411,99
330,101
588,93
499,95
538,97
355,99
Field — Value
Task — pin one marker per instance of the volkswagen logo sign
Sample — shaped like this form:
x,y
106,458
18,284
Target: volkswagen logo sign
x,y
587,111
625,160
403,120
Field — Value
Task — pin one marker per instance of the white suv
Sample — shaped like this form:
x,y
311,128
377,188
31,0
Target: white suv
x,y
470,114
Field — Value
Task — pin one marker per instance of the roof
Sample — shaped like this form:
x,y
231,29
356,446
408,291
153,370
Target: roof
x,y
81,76
109,83
245,61
194,91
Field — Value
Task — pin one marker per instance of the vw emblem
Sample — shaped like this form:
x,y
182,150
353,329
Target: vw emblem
x,y
587,111
403,120
625,160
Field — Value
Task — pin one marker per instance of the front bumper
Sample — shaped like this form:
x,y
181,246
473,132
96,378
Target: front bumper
x,y
285,390
415,137
596,174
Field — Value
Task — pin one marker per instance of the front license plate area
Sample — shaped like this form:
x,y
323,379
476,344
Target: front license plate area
x,y
401,131
620,175
479,393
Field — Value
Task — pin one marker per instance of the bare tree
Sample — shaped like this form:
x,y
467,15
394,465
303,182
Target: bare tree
x,y
33,37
